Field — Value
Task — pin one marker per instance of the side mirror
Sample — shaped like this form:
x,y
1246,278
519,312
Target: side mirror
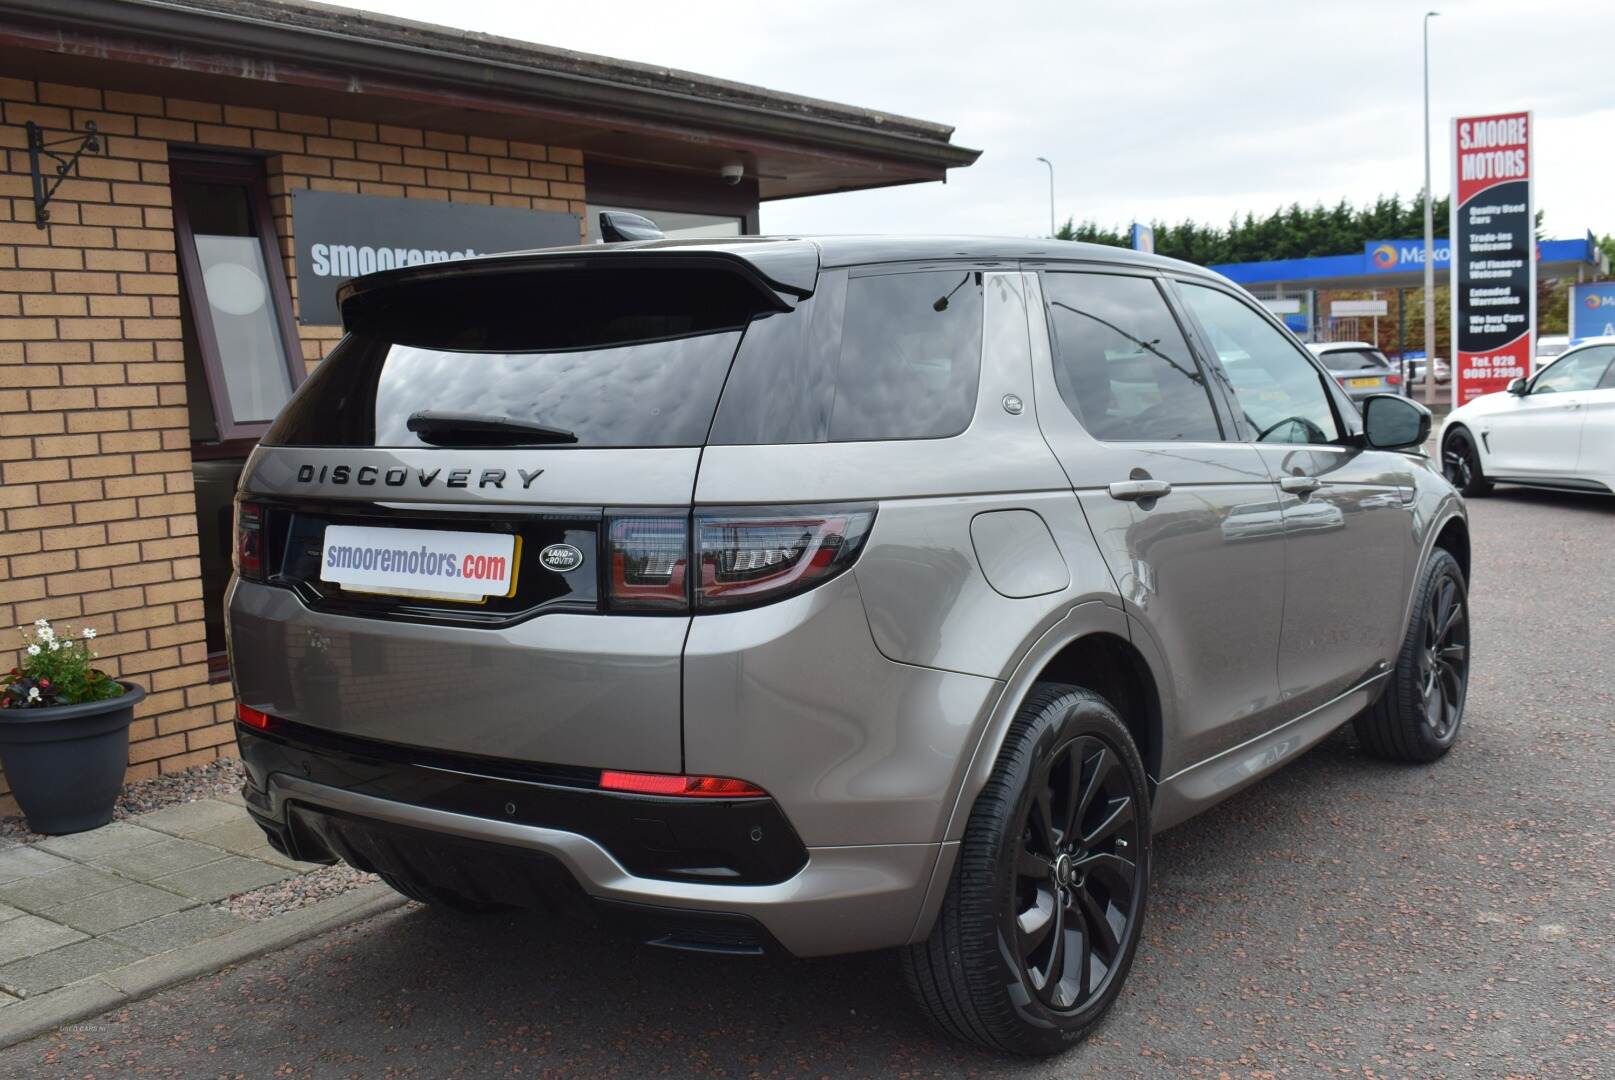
x,y
1393,422
1518,387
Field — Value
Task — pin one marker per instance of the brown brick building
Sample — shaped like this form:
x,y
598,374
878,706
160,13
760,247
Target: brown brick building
x,y
150,311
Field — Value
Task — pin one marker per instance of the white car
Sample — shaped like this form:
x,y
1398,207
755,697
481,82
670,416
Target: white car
x,y
1554,430
1550,346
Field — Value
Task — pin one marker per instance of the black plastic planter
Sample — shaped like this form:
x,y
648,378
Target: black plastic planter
x,y
66,763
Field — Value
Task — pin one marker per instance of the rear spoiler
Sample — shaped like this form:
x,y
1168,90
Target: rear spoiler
x,y
781,271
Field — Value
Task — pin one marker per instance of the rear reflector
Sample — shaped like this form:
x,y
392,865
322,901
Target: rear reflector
x,y
253,718
698,787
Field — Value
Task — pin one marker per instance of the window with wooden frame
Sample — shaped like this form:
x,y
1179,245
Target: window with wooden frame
x,y
242,355
242,345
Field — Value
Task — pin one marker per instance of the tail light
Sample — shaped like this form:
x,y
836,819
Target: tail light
x,y
741,556
649,563
748,556
249,548
695,787
1393,379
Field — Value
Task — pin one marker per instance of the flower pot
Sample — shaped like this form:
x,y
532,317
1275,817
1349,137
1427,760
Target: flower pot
x,y
66,763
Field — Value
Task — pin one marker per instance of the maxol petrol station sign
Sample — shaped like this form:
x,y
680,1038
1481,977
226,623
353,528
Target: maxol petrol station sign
x,y
1493,254
1592,310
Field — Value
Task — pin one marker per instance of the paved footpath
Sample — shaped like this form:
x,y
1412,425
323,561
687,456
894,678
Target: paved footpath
x,y
92,919
1343,918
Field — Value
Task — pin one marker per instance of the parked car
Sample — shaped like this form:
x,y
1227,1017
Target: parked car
x,y
1549,347
1414,372
1360,368
827,596
1553,430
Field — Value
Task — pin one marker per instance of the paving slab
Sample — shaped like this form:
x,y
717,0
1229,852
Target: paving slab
x,y
20,862
8,912
114,837
181,928
169,855
242,836
48,970
118,908
72,882
187,819
29,934
217,880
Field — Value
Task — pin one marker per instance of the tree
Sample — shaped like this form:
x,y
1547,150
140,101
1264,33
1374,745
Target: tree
x,y
1292,232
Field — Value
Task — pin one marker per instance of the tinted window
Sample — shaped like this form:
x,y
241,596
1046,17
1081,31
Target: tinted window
x,y
1121,363
1280,394
869,356
910,356
1580,370
1353,359
658,393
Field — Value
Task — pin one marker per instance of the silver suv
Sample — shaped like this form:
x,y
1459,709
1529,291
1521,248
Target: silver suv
x,y
827,595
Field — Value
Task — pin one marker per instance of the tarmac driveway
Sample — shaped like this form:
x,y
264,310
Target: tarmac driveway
x,y
1343,917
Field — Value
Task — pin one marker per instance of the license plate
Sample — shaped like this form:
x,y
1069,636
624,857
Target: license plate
x,y
467,567
1358,384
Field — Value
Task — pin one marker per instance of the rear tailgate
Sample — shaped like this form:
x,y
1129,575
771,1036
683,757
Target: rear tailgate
x,y
365,617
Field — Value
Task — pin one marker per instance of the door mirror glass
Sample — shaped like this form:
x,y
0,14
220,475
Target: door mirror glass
x,y
1392,422
1517,387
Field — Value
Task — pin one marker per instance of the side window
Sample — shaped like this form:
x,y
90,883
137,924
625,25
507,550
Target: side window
x,y
1579,370
910,356
1279,391
1121,363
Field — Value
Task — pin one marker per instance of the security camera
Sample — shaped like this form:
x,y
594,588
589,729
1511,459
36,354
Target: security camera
x,y
732,174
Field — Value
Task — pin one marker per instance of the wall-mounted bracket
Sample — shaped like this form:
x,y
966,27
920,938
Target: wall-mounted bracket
x,y
65,161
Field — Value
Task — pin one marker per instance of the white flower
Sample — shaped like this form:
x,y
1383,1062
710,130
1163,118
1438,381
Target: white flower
x,y
33,693
42,622
89,633
45,633
54,644
33,650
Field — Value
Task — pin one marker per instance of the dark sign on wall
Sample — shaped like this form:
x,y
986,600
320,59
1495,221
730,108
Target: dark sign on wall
x,y
340,236
1493,254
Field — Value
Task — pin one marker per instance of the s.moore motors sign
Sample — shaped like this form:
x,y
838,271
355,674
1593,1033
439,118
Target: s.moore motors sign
x,y
341,236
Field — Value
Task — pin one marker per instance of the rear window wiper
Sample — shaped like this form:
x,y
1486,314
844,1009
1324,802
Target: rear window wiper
x,y
472,429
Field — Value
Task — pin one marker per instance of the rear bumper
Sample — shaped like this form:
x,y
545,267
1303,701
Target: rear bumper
x,y
837,900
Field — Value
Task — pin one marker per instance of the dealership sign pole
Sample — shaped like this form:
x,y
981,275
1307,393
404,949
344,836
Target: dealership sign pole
x,y
1493,254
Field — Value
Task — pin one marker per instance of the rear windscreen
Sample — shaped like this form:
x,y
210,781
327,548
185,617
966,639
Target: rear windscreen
x,y
614,357
1353,359
659,393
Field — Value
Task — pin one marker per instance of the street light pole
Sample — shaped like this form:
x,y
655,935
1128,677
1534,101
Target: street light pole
x,y
1429,236
1050,164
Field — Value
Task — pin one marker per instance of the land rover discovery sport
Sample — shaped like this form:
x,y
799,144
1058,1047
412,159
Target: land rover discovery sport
x,y
827,595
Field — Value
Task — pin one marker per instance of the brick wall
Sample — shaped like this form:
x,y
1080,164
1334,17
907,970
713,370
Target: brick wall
x,y
97,513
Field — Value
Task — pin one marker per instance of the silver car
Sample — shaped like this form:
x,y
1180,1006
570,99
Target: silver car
x,y
1360,368
827,596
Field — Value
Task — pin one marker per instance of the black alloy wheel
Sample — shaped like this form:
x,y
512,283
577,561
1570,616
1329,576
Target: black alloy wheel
x,y
1077,875
1046,902
1444,661
1417,716
1460,463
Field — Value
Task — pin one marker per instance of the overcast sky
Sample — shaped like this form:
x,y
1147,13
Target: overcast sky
x,y
1148,109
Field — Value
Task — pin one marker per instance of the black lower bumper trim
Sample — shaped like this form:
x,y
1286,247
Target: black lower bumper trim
x,y
716,841
487,873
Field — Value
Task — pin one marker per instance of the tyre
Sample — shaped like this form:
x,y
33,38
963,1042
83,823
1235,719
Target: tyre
x,y
438,898
1417,717
1460,462
1043,912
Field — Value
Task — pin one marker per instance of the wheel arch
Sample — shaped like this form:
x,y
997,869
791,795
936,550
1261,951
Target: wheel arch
x,y
1091,647
1453,538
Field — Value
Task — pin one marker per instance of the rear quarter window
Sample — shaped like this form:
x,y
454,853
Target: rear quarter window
x,y
872,356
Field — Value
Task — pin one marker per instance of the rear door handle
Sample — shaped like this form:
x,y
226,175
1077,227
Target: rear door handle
x,y
1135,490
1300,485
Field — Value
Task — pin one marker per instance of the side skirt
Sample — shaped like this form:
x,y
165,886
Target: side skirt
x,y
1187,792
